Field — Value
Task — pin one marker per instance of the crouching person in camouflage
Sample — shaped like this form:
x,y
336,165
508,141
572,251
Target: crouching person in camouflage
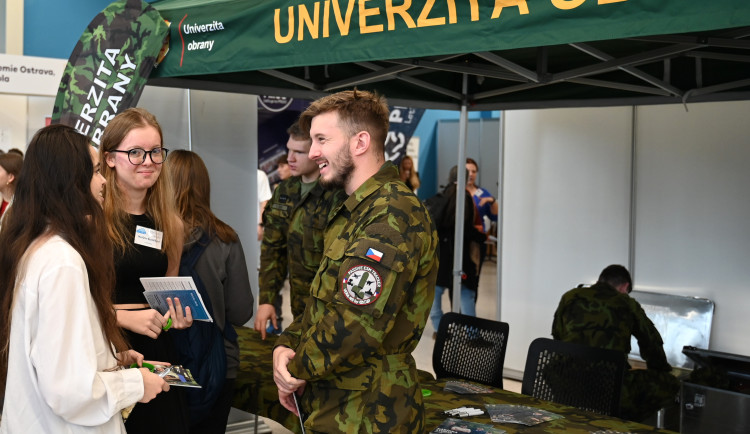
x,y
605,316
348,357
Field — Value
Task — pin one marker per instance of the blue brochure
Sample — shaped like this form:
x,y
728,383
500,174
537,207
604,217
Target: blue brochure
x,y
158,289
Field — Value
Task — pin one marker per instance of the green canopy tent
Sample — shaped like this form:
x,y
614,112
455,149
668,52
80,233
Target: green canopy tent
x,y
464,55
516,53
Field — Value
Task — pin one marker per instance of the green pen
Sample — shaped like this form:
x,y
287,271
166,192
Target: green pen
x,y
148,366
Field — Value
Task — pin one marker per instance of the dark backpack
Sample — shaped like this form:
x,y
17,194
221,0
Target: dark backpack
x,y
200,347
436,206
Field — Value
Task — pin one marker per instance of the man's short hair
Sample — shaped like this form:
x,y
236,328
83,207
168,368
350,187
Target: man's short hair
x,y
297,133
358,110
616,275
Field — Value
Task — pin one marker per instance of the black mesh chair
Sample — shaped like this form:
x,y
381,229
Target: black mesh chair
x,y
470,348
577,375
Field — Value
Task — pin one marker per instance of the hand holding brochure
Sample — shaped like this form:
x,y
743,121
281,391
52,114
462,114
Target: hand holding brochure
x,y
158,289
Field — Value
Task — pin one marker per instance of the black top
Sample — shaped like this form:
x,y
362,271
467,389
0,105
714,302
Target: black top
x,y
137,261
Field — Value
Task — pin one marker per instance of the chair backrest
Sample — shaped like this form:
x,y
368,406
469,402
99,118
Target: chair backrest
x,y
470,348
573,374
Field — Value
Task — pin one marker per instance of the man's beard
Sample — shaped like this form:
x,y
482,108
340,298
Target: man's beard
x,y
342,173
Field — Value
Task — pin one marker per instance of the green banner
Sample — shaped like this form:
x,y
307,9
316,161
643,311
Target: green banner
x,y
219,36
109,66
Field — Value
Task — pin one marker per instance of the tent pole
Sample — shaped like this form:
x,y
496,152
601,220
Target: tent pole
x,y
460,204
189,122
633,189
500,216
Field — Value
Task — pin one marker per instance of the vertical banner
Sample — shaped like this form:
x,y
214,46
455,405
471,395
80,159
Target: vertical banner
x,y
109,66
403,122
275,115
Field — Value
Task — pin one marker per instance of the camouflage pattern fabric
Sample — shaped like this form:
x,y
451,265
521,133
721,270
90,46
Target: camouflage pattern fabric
x,y
574,421
370,301
255,390
293,229
109,66
256,393
599,316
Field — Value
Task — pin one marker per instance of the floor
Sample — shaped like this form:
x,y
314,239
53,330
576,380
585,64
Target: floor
x,y
486,308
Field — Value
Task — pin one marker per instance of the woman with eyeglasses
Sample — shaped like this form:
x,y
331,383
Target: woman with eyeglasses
x,y
60,347
147,235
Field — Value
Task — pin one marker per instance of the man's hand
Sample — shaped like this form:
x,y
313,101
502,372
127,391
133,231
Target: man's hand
x,y
265,312
286,384
287,400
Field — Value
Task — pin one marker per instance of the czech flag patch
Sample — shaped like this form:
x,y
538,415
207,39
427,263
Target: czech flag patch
x,y
375,255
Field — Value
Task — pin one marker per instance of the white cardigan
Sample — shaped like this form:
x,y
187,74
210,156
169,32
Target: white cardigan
x,y
58,353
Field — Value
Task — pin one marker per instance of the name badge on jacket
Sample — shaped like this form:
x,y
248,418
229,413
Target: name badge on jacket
x,y
148,237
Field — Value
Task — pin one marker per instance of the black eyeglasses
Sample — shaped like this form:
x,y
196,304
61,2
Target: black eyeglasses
x,y
137,156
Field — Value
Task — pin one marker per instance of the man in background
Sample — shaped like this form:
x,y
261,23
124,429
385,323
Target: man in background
x,y
348,358
293,223
605,316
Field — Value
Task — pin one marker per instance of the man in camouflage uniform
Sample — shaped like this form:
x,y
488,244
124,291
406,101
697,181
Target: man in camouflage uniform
x,y
605,316
293,222
349,355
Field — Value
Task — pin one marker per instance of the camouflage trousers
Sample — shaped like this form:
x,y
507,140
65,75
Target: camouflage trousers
x,y
645,391
384,398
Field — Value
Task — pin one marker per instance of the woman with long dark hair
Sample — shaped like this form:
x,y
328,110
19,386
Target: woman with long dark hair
x,y
60,346
221,267
10,168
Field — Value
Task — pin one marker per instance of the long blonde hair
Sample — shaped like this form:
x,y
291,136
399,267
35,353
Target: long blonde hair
x,y
159,198
192,187
412,176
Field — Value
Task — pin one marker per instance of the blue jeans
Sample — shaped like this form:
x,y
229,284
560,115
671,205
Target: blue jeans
x,y
468,304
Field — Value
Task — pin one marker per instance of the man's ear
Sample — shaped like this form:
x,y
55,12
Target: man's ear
x,y
362,143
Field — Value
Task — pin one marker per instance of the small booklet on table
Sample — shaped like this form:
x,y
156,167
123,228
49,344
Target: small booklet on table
x,y
523,414
453,426
158,289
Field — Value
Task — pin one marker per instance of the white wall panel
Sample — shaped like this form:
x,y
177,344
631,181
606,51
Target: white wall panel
x,y
566,203
693,209
225,135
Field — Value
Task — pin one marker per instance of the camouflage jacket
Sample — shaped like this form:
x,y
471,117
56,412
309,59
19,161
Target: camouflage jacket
x,y
370,301
293,240
599,316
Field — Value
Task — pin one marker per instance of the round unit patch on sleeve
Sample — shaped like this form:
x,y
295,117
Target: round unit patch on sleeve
x,y
362,285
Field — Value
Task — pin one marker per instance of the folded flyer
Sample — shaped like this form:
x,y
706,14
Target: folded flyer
x,y
158,289
453,426
466,388
522,414
176,375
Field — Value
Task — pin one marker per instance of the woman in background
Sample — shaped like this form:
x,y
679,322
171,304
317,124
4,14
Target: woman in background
x,y
483,199
221,268
408,173
58,334
147,235
10,168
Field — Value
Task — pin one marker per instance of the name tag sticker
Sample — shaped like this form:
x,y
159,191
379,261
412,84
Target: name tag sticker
x,y
148,237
